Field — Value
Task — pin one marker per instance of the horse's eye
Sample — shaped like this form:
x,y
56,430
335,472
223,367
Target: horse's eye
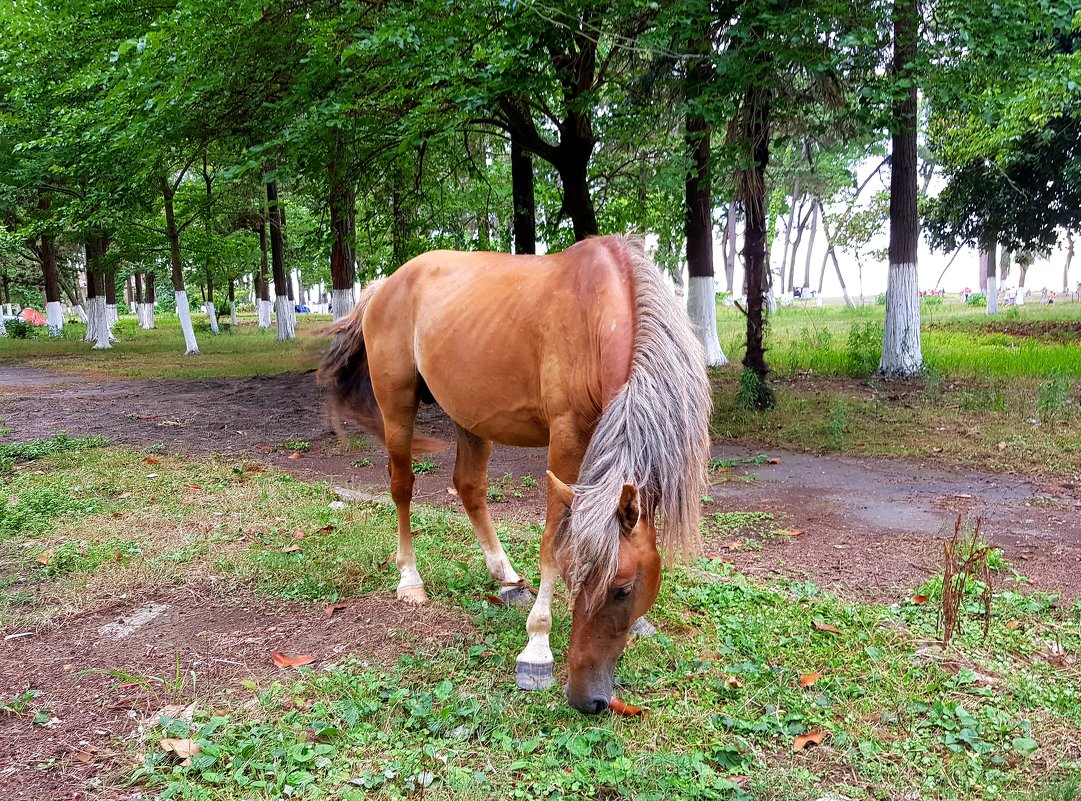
x,y
623,592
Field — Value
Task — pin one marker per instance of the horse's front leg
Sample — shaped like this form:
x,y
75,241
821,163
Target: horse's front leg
x,y
534,668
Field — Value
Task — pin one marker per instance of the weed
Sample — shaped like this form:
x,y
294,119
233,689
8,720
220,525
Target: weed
x,y
424,466
361,462
296,445
837,425
753,394
34,510
18,704
11,452
1055,395
977,299
864,348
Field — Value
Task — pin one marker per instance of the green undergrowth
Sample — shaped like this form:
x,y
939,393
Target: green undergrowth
x,y
900,716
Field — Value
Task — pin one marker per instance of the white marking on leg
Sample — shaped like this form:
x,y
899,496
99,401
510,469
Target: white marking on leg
x,y
539,623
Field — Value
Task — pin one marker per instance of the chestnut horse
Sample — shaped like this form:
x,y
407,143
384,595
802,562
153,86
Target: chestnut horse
x,y
586,352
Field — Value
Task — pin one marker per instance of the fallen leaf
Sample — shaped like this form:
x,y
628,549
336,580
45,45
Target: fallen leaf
x,y
774,461
117,556
329,527
820,626
255,468
85,754
263,448
1013,625
118,514
494,600
124,495
389,561
194,486
182,748
809,679
795,532
332,608
46,556
620,708
936,450
451,491
152,460
813,737
291,549
283,661
733,545
733,682
1002,446
296,455
920,599
742,782
147,416
861,444
298,534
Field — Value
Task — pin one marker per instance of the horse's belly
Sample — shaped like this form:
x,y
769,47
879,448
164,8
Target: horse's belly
x,y
488,419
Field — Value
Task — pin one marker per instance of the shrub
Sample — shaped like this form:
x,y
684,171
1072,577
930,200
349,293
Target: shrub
x,y
932,300
977,299
20,329
880,299
1054,396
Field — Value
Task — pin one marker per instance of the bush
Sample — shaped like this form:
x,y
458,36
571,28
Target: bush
x,y
864,348
880,299
123,308
977,299
932,300
20,329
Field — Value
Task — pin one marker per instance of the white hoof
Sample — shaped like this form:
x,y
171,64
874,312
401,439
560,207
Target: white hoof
x,y
413,595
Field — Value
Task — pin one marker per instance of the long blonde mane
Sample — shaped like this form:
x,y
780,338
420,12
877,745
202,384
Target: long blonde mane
x,y
653,434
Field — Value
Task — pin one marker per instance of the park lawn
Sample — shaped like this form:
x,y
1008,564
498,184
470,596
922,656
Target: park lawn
x,y
900,718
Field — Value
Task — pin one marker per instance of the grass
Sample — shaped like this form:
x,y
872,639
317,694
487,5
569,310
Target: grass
x,y
992,719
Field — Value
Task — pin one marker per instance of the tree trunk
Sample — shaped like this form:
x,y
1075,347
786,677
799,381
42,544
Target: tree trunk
x,y
262,283
137,299
730,247
987,263
525,204
698,227
343,273
754,134
795,249
1004,258
183,310
1069,259
151,295
811,246
232,303
788,230
98,326
1022,269
283,307
52,284
577,202
902,352
110,300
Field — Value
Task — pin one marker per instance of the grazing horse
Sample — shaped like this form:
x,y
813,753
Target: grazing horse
x,y
585,352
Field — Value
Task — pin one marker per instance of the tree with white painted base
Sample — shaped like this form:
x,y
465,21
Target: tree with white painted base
x,y
902,351
168,191
342,204
987,264
284,311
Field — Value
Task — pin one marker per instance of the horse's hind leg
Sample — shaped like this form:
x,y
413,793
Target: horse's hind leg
x,y
471,481
399,413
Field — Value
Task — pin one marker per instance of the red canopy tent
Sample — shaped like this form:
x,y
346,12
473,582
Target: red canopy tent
x,y
32,316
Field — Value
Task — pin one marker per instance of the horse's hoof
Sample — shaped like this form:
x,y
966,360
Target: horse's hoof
x,y
515,596
643,628
413,595
534,676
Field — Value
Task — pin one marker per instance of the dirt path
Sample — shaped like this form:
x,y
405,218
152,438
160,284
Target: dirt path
x,y
870,529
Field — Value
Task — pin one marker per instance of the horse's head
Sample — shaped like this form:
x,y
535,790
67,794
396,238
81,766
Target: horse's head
x,y
603,615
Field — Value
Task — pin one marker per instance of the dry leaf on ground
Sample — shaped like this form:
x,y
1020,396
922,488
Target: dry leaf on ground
x,y
46,556
813,737
620,708
332,608
283,661
451,491
185,749
296,455
792,532
920,599
291,549
152,460
809,679
733,682
820,626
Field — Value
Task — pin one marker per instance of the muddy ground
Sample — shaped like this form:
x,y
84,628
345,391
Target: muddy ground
x,y
870,529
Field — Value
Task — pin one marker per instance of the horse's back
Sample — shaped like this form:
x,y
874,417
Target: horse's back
x,y
506,344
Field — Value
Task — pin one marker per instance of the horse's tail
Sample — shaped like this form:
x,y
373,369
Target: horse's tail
x,y
345,374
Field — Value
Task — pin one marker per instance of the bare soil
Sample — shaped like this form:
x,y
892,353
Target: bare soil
x,y
869,529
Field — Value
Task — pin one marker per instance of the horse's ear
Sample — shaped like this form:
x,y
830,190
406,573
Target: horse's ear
x,y
560,490
628,511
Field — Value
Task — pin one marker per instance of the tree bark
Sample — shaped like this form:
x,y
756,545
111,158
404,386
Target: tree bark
x,y
1069,259
698,225
522,196
730,247
802,226
183,311
811,245
987,263
754,134
262,282
902,352
788,230
151,295
284,311
343,273
1004,258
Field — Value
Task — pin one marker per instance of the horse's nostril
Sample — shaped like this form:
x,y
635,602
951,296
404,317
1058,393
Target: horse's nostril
x,y
599,705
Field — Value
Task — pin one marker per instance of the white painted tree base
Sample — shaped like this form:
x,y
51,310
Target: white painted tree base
x,y
902,352
55,316
232,313
285,318
992,295
263,309
702,309
80,312
113,315
99,322
183,311
146,315
1020,301
341,302
212,315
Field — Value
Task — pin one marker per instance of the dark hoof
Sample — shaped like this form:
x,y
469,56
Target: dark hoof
x,y
515,596
643,628
532,676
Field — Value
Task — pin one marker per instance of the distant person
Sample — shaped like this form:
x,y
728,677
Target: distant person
x,y
965,294
1051,299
